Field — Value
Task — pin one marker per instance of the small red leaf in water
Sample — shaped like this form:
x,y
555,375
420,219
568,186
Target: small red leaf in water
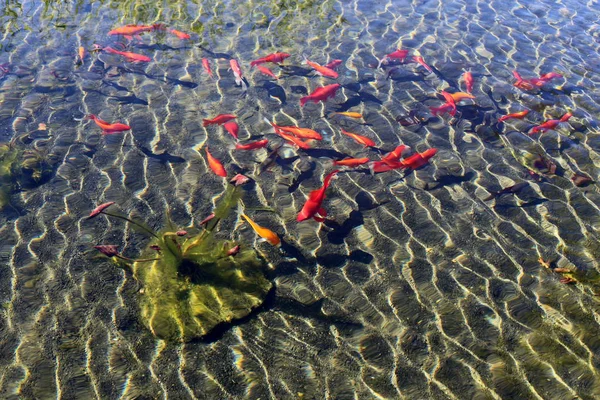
x,y
100,208
109,250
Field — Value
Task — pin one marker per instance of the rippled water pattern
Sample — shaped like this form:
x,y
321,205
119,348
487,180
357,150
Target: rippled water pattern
x,y
419,289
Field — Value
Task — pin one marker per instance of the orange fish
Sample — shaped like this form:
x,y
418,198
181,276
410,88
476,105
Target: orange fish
x,y
180,35
303,133
215,165
460,96
350,114
313,206
264,233
518,115
259,144
80,56
132,30
468,78
219,119
267,71
329,73
293,139
321,94
351,162
365,141
132,57
108,128
206,66
395,155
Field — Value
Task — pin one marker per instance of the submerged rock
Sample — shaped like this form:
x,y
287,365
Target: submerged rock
x,y
197,283
186,296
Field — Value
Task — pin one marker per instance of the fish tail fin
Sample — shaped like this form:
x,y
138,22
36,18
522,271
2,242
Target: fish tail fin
x,y
380,63
303,101
371,166
517,76
206,122
566,117
244,84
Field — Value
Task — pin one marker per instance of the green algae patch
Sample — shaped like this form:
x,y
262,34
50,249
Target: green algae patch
x,y
193,282
185,297
20,168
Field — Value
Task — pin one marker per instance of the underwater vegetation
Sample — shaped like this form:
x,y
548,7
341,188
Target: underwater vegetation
x,y
191,280
21,167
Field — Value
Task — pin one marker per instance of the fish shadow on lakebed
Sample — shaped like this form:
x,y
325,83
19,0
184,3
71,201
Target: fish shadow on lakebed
x,y
339,232
289,306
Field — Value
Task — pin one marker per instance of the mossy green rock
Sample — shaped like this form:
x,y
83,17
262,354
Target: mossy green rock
x,y
195,286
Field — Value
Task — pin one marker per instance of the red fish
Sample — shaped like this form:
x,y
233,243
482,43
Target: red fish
x,y
239,180
351,162
444,108
415,161
449,106
530,84
271,58
108,128
468,78
550,124
133,57
395,155
313,206
419,159
179,34
396,55
259,144
518,115
237,72
215,164
233,128
422,62
219,119
324,71
321,94
549,76
206,66
267,71
365,141
333,64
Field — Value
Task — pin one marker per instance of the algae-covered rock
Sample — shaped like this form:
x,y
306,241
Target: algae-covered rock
x,y
195,285
20,168
185,298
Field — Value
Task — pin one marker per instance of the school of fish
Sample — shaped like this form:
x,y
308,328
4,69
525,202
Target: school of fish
x,y
401,158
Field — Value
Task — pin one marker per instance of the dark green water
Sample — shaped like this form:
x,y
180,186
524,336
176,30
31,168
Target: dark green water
x,y
416,288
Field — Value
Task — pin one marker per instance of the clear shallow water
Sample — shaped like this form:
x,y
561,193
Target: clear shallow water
x,y
409,293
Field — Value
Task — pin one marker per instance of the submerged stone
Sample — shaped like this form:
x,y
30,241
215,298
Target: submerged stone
x,y
195,286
